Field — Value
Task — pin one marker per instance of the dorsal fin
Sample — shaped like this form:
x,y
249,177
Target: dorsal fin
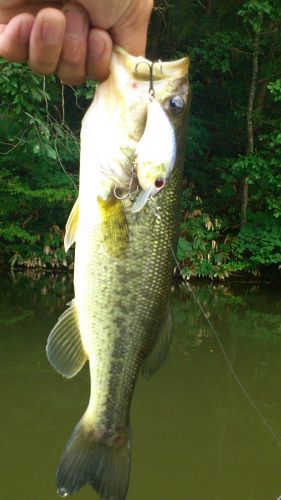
x,y
71,226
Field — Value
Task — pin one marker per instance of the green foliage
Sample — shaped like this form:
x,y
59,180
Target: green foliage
x,y
39,146
206,248
275,89
218,37
253,11
199,250
38,166
258,243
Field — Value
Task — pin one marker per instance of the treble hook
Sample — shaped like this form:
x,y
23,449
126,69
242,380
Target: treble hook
x,y
132,179
119,197
151,90
130,189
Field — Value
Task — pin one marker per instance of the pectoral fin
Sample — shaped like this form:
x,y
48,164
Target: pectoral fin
x,y
71,226
114,227
161,347
64,347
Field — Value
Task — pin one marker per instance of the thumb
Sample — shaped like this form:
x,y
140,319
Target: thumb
x,y
131,33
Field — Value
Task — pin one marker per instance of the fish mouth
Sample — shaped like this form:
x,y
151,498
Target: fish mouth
x,y
139,67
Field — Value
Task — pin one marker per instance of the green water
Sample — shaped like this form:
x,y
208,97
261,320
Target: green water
x,y
195,436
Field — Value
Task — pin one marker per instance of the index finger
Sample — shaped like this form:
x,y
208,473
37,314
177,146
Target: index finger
x,y
11,8
14,38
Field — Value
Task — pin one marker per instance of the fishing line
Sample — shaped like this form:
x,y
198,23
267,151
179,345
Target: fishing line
x,y
247,396
63,168
225,355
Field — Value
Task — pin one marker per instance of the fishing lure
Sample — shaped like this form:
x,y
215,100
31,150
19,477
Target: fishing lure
x,y
156,150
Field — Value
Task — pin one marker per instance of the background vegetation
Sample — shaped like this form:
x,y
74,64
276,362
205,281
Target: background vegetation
x,y
231,204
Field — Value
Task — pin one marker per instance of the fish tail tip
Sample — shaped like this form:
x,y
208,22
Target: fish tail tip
x,y
102,463
63,492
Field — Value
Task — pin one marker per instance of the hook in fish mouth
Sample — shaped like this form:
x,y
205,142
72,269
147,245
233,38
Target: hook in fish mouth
x,y
132,191
119,196
151,90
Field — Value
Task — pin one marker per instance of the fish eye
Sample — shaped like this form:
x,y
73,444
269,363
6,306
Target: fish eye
x,y
159,183
175,105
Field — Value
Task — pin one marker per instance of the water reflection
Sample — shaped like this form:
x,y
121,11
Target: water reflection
x,y
195,436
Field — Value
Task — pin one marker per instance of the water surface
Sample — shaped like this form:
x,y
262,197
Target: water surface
x,y
195,436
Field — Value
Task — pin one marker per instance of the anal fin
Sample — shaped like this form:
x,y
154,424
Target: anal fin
x,y
64,346
159,351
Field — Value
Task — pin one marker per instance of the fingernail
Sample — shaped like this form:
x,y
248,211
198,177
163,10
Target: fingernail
x,y
51,33
96,45
75,23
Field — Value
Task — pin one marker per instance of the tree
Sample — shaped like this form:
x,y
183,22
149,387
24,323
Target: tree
x,y
38,166
233,151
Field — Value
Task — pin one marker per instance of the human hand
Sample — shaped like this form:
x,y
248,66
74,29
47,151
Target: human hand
x,y
73,40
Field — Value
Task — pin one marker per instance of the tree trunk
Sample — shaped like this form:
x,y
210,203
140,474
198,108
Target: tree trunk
x,y
209,9
262,95
250,128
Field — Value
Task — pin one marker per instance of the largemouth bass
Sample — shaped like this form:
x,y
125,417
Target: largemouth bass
x,y
125,225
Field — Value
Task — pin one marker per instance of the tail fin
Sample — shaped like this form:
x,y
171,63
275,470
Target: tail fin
x,y
100,461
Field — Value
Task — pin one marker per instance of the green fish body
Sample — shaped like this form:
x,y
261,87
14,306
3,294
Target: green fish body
x,y
119,319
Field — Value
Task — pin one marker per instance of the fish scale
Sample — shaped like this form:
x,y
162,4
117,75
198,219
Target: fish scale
x,y
119,318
